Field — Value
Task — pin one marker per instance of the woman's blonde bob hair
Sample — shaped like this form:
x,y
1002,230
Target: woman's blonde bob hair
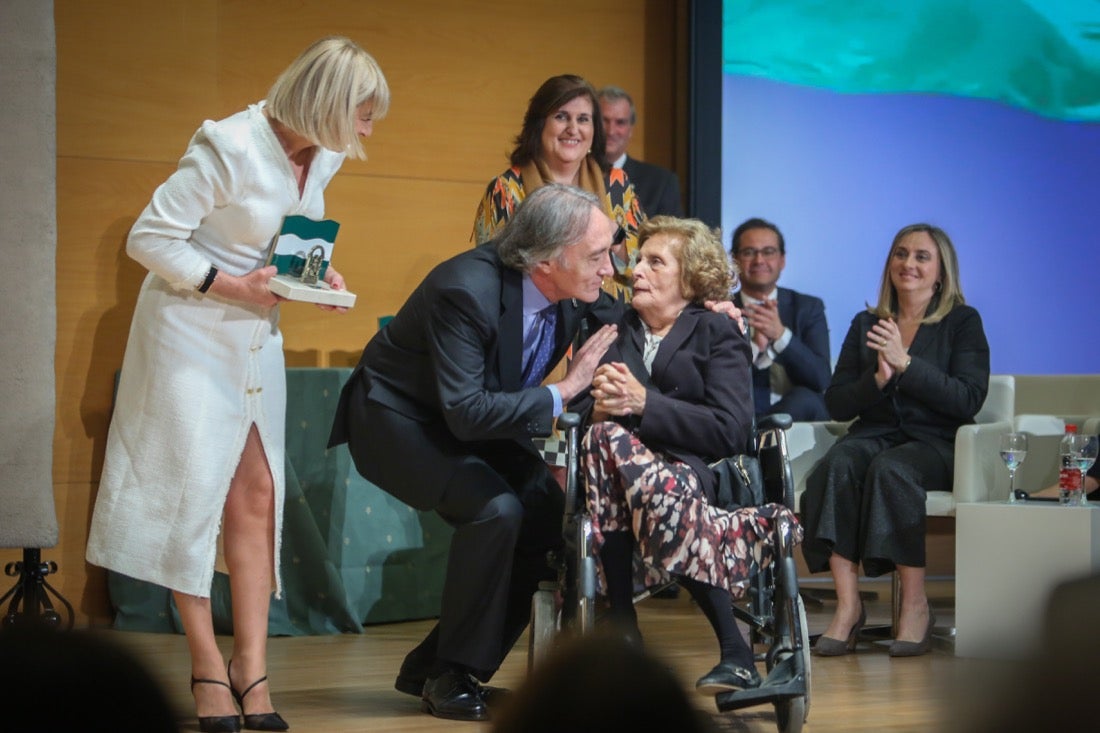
x,y
706,270
319,94
948,292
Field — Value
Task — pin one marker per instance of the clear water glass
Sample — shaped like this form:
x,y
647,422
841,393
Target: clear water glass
x,y
1084,454
1013,453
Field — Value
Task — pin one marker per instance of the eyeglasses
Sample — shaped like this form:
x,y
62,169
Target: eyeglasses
x,y
748,253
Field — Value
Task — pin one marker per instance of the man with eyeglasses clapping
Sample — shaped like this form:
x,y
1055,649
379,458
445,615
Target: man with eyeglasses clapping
x,y
790,336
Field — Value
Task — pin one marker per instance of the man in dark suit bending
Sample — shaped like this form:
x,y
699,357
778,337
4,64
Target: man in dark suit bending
x,y
658,188
790,337
441,410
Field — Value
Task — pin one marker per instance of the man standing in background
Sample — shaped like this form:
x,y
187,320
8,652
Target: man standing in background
x,y
658,188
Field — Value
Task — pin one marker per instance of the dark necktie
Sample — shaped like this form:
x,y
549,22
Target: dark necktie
x,y
538,346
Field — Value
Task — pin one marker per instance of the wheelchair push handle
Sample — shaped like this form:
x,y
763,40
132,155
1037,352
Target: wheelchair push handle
x,y
778,421
568,420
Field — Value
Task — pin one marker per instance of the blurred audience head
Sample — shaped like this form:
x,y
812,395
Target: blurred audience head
x,y
600,683
67,681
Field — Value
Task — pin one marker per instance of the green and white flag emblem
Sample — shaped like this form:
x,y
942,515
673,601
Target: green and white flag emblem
x,y
298,236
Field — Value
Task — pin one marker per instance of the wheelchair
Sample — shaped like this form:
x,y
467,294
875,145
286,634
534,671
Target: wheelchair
x,y
771,607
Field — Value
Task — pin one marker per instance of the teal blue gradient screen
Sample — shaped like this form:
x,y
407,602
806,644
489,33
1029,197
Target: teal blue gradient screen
x,y
843,122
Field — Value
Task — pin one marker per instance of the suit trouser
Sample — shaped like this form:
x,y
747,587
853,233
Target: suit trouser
x,y
506,509
802,404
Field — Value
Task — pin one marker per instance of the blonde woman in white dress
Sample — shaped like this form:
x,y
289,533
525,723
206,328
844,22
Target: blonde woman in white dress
x,y
196,443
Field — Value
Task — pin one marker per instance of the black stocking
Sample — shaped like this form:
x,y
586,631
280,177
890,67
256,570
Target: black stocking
x,y
717,606
617,558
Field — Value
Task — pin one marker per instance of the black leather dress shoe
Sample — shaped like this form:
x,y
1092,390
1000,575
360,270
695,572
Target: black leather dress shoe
x,y
727,676
454,695
415,686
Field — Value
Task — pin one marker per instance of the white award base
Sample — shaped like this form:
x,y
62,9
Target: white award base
x,y
293,288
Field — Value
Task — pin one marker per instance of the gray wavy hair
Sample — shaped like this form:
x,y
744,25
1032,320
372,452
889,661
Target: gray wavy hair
x,y
548,220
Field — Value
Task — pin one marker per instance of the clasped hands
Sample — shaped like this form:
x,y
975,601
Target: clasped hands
x,y
885,338
617,391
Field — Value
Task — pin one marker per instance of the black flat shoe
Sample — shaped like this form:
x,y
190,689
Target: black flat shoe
x,y
454,695
257,721
216,723
915,648
727,676
827,646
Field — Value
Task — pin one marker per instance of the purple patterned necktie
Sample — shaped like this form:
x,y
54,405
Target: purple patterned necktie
x,y
538,346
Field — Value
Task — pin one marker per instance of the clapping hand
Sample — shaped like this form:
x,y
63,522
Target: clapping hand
x,y
764,320
885,338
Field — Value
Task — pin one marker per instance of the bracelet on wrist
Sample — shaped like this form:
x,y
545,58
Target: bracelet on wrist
x,y
209,280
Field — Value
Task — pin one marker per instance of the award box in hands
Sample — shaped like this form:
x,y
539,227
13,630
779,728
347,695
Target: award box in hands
x,y
302,251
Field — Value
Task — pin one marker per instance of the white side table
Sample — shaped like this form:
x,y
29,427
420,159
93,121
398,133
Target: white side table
x,y
1008,557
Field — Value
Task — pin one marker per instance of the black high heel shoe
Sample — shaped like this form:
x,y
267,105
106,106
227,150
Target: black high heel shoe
x,y
257,721
217,723
827,646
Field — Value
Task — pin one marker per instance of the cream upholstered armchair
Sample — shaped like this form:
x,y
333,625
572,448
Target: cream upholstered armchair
x,y
979,473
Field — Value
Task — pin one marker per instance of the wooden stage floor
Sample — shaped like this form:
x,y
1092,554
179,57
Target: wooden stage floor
x,y
344,683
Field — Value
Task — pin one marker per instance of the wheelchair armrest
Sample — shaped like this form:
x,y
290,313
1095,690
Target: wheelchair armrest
x,y
778,421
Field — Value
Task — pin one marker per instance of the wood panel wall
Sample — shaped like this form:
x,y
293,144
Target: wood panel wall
x,y
136,78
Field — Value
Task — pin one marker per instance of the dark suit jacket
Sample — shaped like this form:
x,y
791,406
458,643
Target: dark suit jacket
x,y
453,353
699,400
943,388
658,188
806,358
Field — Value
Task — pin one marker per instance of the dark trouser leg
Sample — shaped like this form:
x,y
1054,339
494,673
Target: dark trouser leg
x,y
423,465
802,404
894,511
717,605
832,504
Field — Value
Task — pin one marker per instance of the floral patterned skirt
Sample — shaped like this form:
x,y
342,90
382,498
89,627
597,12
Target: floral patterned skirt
x,y
678,532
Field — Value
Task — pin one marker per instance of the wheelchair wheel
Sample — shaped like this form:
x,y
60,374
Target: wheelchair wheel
x,y
544,624
792,712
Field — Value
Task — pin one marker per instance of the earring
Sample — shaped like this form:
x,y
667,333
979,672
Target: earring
x,y
938,286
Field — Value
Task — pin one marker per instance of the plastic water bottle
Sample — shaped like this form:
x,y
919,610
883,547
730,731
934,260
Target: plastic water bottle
x,y
1069,476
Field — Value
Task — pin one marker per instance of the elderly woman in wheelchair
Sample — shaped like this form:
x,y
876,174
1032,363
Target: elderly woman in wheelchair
x,y
672,396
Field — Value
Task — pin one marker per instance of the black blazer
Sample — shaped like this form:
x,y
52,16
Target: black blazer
x,y
454,350
943,388
806,359
699,396
658,188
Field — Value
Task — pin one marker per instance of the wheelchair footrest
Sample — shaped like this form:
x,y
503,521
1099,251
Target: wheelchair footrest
x,y
784,681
